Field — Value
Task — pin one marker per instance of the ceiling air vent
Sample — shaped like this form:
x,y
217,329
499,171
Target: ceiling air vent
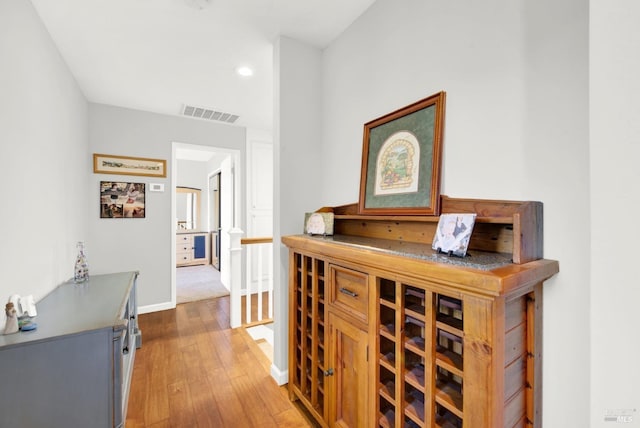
x,y
209,114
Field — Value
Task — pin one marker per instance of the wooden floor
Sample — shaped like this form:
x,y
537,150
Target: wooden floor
x,y
194,371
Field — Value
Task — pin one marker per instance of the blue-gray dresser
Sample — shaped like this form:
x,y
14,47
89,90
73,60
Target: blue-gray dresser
x,y
75,369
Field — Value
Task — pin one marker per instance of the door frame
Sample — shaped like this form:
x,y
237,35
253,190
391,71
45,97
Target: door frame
x,y
237,198
217,173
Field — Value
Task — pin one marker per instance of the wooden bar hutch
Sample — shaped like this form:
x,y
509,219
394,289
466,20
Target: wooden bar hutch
x,y
385,332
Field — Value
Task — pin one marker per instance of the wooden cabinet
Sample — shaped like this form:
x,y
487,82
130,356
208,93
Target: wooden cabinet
x,y
192,249
75,369
347,376
387,333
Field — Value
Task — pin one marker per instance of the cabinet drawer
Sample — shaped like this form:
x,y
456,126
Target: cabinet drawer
x,y
184,247
184,258
184,240
184,253
349,291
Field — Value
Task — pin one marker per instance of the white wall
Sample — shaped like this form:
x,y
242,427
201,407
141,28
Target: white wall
x,y
615,200
297,167
400,52
516,75
145,244
556,171
45,157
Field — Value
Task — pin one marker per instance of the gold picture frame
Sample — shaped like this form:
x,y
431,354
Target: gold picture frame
x,y
127,165
401,160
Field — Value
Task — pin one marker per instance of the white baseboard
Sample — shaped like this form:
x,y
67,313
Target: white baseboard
x,y
155,308
281,377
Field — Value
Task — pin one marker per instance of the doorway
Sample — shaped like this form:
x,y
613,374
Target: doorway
x,y
212,170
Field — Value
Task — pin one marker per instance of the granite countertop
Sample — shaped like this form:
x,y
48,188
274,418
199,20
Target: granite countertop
x,y
481,260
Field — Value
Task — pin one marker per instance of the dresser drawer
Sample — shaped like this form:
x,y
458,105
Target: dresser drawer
x,y
185,247
184,257
186,239
184,250
349,291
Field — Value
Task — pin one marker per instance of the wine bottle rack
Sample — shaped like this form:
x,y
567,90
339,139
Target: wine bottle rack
x,y
307,364
421,344
448,359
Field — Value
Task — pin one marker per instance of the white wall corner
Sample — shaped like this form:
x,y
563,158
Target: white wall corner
x,y
280,376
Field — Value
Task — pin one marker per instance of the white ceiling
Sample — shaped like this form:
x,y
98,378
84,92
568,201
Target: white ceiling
x,y
159,55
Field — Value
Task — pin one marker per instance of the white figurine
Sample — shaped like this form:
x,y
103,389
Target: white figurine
x,y
15,299
12,319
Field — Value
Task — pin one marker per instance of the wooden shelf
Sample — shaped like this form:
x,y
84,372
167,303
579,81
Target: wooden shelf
x,y
449,325
389,358
444,423
389,365
387,390
449,360
415,345
388,331
388,304
415,377
414,407
415,311
387,419
450,398
418,219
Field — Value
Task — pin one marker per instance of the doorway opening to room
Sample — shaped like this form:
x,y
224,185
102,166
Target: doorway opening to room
x,y
205,191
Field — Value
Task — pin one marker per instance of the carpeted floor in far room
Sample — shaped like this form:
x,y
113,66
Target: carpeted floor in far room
x,y
198,283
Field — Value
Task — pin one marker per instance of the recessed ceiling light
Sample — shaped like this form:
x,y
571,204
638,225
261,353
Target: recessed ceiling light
x,y
244,71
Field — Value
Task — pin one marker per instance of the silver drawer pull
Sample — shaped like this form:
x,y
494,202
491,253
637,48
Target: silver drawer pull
x,y
348,292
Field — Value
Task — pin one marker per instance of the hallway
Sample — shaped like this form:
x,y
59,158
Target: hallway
x,y
194,371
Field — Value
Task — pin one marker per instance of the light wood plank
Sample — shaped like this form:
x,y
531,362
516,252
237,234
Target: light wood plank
x,y
205,408
180,406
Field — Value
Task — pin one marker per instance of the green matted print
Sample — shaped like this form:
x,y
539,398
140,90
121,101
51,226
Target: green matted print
x,y
401,160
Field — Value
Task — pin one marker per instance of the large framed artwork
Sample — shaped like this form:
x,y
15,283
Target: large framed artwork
x,y
122,200
401,160
126,165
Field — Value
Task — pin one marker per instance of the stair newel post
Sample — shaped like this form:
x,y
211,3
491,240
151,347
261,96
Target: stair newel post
x,y
235,235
